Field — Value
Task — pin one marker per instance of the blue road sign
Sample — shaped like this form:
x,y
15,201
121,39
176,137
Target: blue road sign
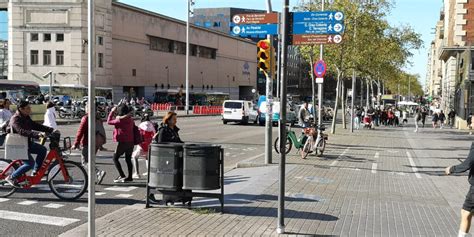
x,y
323,16
318,28
255,29
320,68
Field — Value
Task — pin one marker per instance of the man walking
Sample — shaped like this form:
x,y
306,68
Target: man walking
x,y
451,117
303,116
468,206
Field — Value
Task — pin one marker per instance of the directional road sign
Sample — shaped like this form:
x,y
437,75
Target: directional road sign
x,y
257,29
323,16
255,18
317,28
316,39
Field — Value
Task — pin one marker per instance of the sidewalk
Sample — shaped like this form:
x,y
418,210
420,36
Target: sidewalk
x,y
159,115
371,183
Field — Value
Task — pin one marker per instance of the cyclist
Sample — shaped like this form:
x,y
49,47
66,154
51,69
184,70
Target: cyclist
x,y
22,124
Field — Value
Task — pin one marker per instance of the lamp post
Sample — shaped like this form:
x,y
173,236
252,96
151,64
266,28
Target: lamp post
x,y
168,75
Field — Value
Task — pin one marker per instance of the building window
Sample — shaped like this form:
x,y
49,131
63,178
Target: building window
x,y
59,57
34,57
100,60
34,37
205,52
100,40
160,44
193,49
180,47
134,72
46,37
46,57
59,37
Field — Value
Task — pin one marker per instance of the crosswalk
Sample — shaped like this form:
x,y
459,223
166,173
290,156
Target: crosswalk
x,y
13,209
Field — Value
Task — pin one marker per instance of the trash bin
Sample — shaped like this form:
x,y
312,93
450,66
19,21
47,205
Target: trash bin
x,y
201,167
166,166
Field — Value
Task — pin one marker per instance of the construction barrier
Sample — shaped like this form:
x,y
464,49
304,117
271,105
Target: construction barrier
x,y
161,107
207,110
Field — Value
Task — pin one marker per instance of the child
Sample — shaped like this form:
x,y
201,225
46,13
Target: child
x,y
147,130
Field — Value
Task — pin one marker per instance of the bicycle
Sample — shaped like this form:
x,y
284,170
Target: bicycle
x,y
320,142
66,179
293,140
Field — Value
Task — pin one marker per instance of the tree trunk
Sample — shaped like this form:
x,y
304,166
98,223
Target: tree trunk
x,y
343,104
338,88
372,102
361,92
379,93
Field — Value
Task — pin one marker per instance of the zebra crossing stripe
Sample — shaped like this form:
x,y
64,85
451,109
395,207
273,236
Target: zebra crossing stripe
x,y
27,203
123,195
53,205
34,218
121,189
4,199
82,209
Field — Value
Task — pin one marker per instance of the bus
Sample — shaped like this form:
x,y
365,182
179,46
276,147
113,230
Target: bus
x,y
21,90
76,92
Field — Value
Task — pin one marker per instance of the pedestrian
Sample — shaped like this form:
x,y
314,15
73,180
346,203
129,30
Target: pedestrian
x,y
423,117
123,134
435,120
147,131
468,206
451,117
356,118
303,115
168,131
5,116
82,140
417,119
469,123
442,119
50,116
391,117
405,116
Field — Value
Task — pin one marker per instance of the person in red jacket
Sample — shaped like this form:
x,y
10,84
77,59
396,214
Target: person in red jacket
x,y
82,139
147,130
123,135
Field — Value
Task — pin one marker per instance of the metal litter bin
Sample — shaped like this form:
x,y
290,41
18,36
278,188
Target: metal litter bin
x,y
201,169
166,166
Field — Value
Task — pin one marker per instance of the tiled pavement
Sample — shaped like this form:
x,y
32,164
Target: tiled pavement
x,y
383,182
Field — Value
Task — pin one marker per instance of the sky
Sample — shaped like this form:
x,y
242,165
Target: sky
x,y
421,15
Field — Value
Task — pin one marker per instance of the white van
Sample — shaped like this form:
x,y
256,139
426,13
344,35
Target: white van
x,y
239,111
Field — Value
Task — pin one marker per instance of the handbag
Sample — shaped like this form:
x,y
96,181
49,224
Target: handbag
x,y
16,146
137,137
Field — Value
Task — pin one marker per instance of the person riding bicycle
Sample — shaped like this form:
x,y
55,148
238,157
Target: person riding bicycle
x,y
22,124
303,116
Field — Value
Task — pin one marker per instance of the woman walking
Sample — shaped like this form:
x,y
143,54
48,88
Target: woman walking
x,y
123,135
168,131
147,131
435,119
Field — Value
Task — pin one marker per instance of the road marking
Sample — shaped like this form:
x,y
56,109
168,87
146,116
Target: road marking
x,y
33,218
121,189
413,166
252,158
4,199
350,168
83,209
123,195
374,168
376,156
339,157
53,205
100,193
27,203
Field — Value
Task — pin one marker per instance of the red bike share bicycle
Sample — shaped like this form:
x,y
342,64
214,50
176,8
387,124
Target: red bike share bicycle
x,y
67,179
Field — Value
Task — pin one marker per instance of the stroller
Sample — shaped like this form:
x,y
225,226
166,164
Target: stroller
x,y
368,122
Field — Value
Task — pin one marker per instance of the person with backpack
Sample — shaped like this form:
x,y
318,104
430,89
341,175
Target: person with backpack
x,y
468,206
123,134
82,140
147,131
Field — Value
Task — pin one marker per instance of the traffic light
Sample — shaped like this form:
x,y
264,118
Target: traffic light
x,y
263,55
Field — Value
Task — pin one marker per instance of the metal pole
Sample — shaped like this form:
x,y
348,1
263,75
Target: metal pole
x,y
278,95
269,95
92,115
409,88
320,85
282,127
352,99
51,86
187,57
367,101
312,83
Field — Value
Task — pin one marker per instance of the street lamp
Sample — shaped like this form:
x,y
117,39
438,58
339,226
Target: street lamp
x,y
168,75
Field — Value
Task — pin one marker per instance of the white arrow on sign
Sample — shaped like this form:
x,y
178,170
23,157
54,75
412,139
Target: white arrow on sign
x,y
338,28
236,19
236,30
338,16
337,39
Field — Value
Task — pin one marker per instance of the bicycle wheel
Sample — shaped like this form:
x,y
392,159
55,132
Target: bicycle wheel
x,y
5,188
308,146
321,146
288,145
74,188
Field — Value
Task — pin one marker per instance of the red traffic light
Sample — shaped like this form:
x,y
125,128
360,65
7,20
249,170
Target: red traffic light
x,y
263,44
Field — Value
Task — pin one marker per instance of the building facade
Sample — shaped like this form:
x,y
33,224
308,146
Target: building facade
x,y
138,52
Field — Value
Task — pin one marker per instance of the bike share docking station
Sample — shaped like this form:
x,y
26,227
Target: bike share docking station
x,y
176,169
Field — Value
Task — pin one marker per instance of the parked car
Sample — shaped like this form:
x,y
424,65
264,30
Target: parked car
x,y
239,111
290,114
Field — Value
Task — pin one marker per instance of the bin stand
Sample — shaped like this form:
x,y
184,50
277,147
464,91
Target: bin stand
x,y
152,190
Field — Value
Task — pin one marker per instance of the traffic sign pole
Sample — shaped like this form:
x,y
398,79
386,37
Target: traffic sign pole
x,y
269,95
320,87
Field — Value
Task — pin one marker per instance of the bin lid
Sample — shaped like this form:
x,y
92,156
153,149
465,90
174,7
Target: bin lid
x,y
200,146
167,144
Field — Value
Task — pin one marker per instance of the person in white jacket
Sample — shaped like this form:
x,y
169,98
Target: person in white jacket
x,y
50,116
